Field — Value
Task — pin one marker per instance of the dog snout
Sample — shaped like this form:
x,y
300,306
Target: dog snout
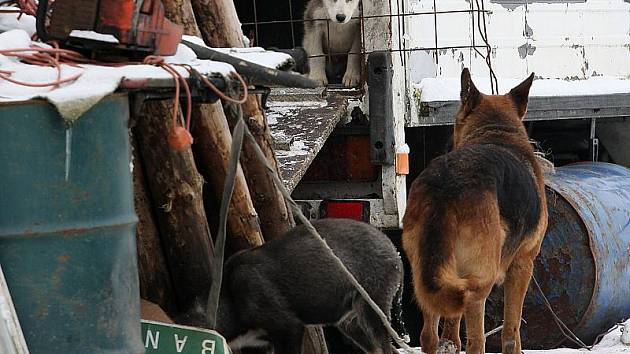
x,y
340,17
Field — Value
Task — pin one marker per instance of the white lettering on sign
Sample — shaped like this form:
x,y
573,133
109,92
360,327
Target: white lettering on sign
x,y
180,343
154,339
207,347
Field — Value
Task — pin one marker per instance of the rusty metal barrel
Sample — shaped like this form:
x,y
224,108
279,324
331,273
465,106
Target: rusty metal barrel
x,y
584,264
67,228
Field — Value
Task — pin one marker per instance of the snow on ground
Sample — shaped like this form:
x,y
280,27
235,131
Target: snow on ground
x,y
611,343
447,89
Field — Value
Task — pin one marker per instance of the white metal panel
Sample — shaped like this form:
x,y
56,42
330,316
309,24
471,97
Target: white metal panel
x,y
561,39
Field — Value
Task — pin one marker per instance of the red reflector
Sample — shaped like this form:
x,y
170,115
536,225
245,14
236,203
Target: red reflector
x,y
346,210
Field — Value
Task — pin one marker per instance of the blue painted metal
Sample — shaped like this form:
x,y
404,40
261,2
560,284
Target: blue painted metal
x,y
67,228
600,193
584,263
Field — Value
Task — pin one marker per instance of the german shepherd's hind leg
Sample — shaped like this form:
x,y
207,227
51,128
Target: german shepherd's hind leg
x,y
516,283
429,335
451,331
474,316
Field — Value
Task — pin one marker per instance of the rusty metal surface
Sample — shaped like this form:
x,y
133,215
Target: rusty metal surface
x,y
584,263
300,121
67,243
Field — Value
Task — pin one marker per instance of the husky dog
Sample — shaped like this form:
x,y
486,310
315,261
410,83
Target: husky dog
x,y
274,290
476,217
337,36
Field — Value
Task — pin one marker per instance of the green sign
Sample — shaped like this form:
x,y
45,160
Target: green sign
x,y
164,338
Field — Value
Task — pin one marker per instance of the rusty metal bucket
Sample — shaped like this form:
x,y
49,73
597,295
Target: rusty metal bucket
x,y
584,264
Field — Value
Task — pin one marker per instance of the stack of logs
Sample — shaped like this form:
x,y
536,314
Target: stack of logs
x,y
177,193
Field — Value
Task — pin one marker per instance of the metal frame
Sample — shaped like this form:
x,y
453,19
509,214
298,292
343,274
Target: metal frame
x,y
539,108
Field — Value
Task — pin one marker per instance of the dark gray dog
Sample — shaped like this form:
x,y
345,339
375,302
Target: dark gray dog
x,y
274,290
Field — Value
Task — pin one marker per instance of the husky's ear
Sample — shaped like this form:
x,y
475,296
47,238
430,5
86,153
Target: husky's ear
x,y
520,95
469,94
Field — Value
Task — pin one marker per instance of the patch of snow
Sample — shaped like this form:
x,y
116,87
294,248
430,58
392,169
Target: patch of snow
x,y
14,39
255,55
75,98
95,36
610,344
404,149
296,104
194,39
11,21
183,55
447,89
272,118
298,145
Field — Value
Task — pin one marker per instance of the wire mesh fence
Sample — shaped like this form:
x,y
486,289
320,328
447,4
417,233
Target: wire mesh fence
x,y
281,24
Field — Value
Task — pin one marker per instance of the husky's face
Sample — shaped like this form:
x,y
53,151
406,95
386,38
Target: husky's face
x,y
341,11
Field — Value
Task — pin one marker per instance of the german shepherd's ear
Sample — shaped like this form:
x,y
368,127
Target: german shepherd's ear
x,y
469,94
520,95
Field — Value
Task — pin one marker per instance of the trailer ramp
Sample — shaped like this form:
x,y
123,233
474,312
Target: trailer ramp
x,y
301,120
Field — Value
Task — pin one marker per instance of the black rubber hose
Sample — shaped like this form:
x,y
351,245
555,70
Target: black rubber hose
x,y
40,20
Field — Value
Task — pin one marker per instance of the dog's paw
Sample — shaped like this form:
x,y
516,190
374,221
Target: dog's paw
x,y
319,78
351,78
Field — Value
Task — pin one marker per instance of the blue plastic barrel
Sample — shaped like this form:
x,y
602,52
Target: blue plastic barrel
x,y
67,228
584,263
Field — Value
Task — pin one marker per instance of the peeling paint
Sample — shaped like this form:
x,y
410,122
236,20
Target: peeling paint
x,y
511,5
525,50
529,32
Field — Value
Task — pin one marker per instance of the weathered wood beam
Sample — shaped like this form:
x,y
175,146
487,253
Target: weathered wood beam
x,y
212,149
176,192
155,278
220,27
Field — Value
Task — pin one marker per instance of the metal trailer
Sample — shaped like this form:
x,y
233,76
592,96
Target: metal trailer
x,y
337,151
414,52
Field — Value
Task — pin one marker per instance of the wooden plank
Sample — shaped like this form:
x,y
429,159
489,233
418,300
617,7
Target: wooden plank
x,y
540,108
11,336
300,123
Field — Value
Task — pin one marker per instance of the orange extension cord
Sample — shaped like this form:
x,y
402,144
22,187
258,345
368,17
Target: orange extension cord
x,y
179,137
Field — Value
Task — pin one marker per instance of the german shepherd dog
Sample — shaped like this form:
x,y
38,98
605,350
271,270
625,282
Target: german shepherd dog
x,y
476,217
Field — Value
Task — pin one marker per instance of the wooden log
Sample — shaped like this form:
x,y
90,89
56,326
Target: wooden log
x,y
218,22
212,149
181,13
220,27
176,191
155,278
275,216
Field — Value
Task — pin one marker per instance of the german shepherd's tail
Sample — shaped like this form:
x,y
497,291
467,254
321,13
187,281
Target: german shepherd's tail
x,y
440,278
